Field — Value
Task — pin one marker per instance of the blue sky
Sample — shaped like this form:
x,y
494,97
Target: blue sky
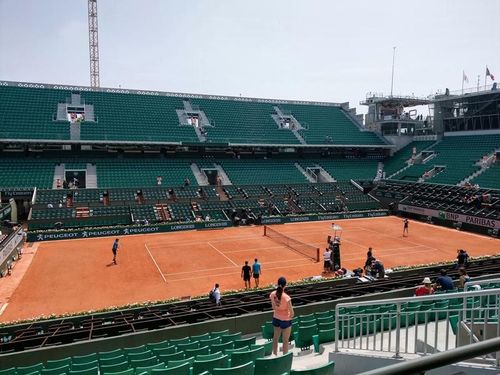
x,y
313,50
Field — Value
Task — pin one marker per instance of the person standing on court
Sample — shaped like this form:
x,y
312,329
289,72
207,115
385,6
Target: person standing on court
x,y
282,315
257,271
327,263
114,249
405,227
245,274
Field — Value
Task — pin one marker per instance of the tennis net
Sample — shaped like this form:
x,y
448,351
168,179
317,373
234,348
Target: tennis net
x,y
298,246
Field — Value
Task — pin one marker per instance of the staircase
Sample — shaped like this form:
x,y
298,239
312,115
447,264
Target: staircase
x,y
304,172
324,176
222,174
418,155
74,131
483,168
162,212
82,212
201,178
299,137
202,137
58,174
91,182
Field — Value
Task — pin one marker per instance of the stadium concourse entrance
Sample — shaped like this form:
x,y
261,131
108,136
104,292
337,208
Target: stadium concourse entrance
x,y
211,174
76,178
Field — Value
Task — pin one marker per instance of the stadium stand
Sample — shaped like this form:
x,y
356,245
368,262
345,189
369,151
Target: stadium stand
x,y
490,177
398,160
329,121
457,154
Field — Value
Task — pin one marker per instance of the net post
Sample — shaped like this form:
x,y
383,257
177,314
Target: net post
x,y
317,255
265,230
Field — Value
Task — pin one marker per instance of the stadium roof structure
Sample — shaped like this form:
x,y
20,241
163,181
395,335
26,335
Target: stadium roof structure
x,y
395,100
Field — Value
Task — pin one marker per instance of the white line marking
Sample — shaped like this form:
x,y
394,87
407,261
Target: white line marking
x,y
154,261
3,308
221,253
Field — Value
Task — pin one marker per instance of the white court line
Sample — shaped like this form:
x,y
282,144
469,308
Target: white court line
x,y
3,308
156,264
221,253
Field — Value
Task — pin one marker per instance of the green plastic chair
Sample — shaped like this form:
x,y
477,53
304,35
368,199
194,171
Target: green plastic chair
x,y
143,355
303,336
329,325
112,360
188,345
196,351
151,361
244,342
273,366
164,350
23,370
322,370
230,337
87,371
84,365
207,357
136,349
323,314
176,342
245,369
268,347
130,371
110,354
159,345
219,333
171,357
306,317
267,330
55,370
8,371
454,323
205,336
55,363
117,367
147,369
184,369
189,360
325,319
210,342
77,359
325,335
221,347
202,366
240,358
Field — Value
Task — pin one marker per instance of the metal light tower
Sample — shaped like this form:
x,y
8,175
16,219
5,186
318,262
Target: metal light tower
x,y
93,44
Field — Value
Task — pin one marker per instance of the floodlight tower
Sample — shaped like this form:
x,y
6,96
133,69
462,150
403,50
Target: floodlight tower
x,y
93,44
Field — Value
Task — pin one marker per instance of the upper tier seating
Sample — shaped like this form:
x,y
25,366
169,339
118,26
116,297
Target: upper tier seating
x,y
489,178
397,161
329,121
458,154
346,169
29,113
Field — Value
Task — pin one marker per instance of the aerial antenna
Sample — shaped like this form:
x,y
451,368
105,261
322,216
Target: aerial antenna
x,y
392,77
93,45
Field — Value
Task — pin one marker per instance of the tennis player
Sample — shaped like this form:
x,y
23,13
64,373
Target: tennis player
x,y
114,249
405,227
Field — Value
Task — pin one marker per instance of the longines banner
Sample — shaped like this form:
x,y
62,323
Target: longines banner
x,y
474,220
70,234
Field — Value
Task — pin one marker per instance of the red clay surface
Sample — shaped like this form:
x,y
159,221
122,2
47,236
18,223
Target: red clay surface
x,y
77,275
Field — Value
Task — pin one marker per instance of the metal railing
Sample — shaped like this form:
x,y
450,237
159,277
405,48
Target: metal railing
x,y
420,365
471,285
422,325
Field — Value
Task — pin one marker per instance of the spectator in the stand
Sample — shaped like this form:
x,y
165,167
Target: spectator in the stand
x,y
215,295
425,289
369,260
207,217
462,258
187,182
377,269
463,277
444,282
282,315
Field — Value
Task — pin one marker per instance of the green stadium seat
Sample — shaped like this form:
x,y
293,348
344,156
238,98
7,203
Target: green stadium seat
x,y
115,367
304,336
222,347
8,371
267,330
164,350
322,370
147,369
130,371
240,343
151,361
175,363
240,358
24,370
171,357
82,366
230,337
268,347
272,366
197,351
202,366
55,370
87,371
245,369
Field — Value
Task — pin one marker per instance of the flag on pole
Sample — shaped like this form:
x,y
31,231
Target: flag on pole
x,y
465,78
489,74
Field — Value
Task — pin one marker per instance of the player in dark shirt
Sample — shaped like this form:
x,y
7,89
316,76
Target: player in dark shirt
x,y
114,249
246,272
405,227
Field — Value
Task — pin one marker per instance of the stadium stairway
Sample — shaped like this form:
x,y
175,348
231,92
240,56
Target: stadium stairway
x,y
406,155
201,178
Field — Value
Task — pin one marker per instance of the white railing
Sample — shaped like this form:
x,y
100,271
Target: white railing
x,y
422,325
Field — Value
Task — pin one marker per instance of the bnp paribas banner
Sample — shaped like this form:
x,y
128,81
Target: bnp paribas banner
x,y
452,216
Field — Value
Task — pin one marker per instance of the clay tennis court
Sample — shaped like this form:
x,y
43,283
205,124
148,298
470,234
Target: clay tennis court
x,y
78,275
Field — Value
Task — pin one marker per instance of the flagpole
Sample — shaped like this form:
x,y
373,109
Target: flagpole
x,y
485,76
463,79
392,77
478,79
